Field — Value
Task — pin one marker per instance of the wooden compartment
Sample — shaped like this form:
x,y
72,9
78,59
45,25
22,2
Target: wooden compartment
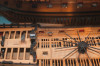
x,y
17,35
3,53
15,53
6,34
8,53
12,35
21,53
27,54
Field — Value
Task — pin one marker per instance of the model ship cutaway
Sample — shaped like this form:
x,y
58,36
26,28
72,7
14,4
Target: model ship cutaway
x,y
50,46
51,32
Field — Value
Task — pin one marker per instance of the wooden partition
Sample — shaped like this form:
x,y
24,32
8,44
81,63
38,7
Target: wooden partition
x,y
16,49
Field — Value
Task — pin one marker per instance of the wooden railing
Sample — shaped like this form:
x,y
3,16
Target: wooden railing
x,y
69,62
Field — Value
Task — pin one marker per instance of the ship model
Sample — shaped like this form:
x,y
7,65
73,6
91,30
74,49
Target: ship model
x,y
50,32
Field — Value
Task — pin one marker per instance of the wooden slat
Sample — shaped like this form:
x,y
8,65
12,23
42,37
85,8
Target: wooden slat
x,y
11,53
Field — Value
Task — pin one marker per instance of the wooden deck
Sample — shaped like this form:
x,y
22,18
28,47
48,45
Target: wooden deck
x,y
53,44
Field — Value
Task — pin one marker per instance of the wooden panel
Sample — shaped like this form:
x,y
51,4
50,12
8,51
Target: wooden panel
x,y
11,51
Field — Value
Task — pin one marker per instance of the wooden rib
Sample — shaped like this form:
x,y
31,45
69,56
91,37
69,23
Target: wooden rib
x,y
63,62
39,62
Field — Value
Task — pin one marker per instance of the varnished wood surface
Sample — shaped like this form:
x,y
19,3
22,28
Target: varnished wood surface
x,y
28,14
48,42
57,6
